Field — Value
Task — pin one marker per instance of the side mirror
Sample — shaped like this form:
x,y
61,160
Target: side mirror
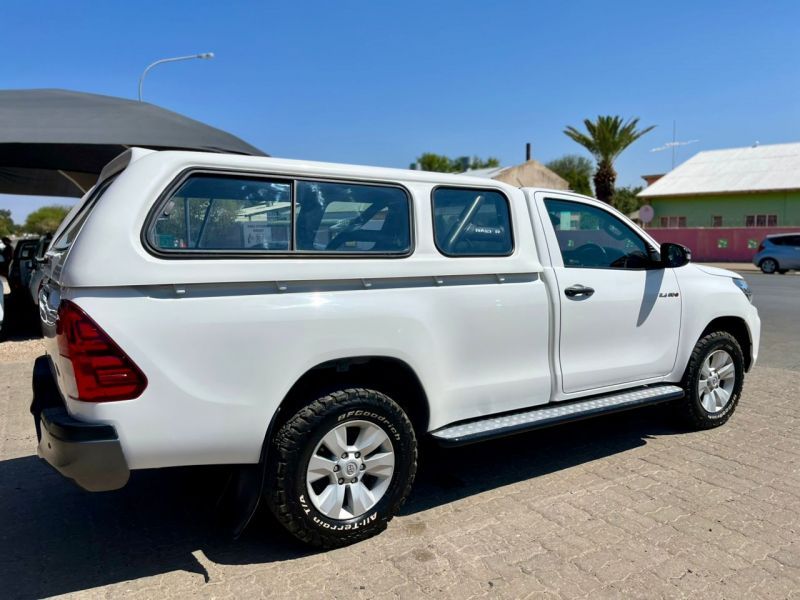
x,y
674,255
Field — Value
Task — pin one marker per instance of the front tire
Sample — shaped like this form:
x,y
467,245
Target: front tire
x,y
769,266
341,468
713,381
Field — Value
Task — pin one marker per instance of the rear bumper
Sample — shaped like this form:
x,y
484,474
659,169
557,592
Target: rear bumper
x,y
88,453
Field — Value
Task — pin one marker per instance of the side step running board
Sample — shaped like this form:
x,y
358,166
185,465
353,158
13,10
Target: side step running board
x,y
547,415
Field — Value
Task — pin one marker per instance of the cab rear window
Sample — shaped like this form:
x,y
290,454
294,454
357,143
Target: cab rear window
x,y
471,222
222,214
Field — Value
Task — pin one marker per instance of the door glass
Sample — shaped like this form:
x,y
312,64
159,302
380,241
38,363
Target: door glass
x,y
590,237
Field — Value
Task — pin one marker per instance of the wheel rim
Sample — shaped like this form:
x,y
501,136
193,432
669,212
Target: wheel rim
x,y
768,266
350,470
717,378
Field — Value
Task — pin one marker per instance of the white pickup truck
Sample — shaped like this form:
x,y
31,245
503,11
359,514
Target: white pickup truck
x,y
312,322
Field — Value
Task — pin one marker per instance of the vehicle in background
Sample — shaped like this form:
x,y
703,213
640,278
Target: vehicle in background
x,y
778,253
6,251
2,307
37,270
21,265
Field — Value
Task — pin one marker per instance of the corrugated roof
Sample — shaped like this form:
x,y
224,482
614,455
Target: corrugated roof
x,y
736,170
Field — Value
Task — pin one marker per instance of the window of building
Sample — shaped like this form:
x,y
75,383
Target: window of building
x,y
761,220
244,214
672,222
471,222
716,221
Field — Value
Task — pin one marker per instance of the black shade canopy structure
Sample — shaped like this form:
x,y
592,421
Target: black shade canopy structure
x,y
56,142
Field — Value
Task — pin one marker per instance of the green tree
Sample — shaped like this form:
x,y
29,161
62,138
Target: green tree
x,y
576,169
605,139
45,220
444,164
625,200
6,223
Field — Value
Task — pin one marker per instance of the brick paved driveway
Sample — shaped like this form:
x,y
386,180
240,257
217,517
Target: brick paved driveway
x,y
624,505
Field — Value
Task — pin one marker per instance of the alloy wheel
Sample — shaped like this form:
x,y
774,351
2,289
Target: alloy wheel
x,y
716,382
350,470
768,265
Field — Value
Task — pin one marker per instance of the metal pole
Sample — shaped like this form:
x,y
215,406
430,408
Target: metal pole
x,y
204,55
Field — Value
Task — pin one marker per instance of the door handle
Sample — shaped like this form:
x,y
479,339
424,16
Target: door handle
x,y
577,290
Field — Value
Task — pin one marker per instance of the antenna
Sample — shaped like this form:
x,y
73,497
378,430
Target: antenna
x,y
673,144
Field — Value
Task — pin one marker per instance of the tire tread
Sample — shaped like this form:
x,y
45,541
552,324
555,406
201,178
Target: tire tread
x,y
292,435
694,416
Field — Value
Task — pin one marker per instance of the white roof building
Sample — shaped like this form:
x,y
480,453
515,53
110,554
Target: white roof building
x,y
766,168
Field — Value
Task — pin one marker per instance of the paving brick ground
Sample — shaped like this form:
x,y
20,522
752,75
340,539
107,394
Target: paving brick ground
x,y
622,506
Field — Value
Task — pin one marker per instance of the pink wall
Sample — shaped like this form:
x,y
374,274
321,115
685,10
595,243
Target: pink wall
x,y
705,242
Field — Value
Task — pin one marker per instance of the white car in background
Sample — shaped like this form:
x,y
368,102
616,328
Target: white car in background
x,y
310,322
2,288
37,268
2,305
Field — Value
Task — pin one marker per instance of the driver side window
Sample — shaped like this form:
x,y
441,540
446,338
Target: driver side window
x,y
592,238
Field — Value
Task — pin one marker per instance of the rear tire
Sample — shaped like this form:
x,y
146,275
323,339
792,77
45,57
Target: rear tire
x,y
769,266
713,381
345,496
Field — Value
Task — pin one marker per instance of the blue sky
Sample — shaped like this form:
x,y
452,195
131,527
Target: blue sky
x,y
379,83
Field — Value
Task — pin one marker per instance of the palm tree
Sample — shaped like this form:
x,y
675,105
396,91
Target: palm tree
x,y
606,138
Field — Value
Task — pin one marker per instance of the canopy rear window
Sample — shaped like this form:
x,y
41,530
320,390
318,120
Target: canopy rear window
x,y
73,228
222,214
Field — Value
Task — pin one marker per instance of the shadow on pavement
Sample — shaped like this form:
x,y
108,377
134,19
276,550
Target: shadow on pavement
x,y
56,538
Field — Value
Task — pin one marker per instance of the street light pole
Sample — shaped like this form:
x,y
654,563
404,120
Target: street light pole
x,y
204,55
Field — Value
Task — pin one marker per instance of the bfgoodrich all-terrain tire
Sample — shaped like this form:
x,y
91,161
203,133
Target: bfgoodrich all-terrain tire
x,y
341,468
713,381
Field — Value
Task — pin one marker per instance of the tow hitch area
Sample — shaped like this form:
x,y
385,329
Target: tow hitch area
x,y
88,453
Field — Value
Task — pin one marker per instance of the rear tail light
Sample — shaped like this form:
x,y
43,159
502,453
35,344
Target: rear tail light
x,y
760,247
102,371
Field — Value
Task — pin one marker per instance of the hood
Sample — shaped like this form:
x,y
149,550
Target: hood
x,y
718,272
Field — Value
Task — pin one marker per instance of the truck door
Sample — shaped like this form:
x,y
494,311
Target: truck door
x,y
620,312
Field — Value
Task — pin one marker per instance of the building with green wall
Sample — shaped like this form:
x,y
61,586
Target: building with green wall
x,y
756,186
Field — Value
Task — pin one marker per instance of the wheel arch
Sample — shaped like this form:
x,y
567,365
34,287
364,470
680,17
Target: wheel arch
x,y
738,328
392,376
769,257
389,375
